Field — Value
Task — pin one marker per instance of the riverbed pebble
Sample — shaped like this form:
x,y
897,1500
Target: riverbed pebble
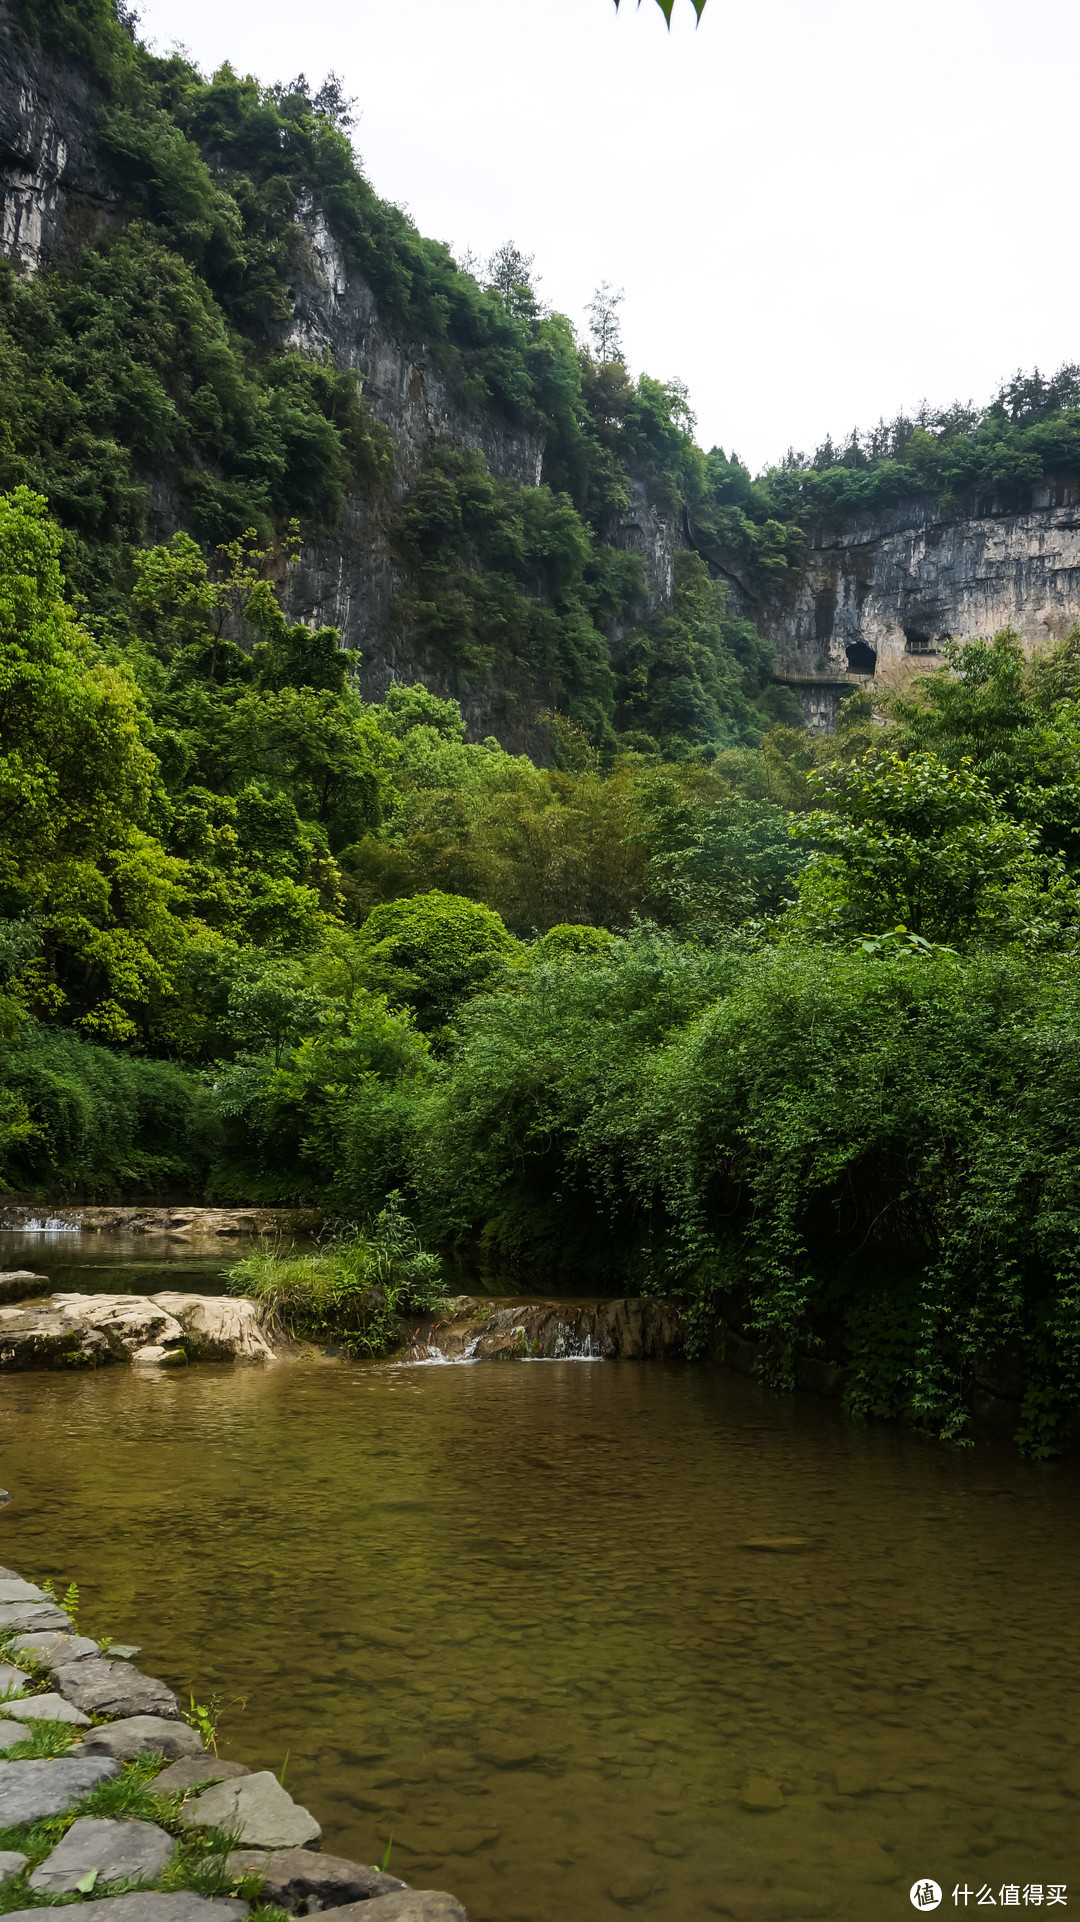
x,y
52,1649
761,1795
193,1769
11,1865
257,1810
31,1790
119,1851
115,1688
144,1905
46,1708
144,1735
294,1876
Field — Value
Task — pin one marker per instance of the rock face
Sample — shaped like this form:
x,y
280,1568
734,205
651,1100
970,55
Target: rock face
x,y
881,595
118,1851
31,1790
89,1331
257,1810
486,1330
54,195
295,1876
115,1688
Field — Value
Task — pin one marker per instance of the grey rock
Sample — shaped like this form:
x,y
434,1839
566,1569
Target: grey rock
x,y
145,1905
14,1589
293,1876
144,1735
10,1733
12,1678
193,1770
120,1851
46,1708
51,1649
5,1497
11,1865
27,1616
31,1790
410,1905
257,1810
115,1688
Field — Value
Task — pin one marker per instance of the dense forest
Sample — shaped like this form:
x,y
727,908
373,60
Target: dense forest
x,y
687,1003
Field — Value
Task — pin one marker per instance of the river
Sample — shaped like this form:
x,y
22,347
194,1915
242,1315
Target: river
x,y
519,1617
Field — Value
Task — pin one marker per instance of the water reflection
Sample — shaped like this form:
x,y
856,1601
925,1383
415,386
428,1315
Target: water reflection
x,y
515,1616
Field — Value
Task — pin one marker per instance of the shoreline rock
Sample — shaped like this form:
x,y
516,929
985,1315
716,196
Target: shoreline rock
x,y
136,1716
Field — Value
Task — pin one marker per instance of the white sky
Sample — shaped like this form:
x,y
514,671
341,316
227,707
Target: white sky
x,y
820,210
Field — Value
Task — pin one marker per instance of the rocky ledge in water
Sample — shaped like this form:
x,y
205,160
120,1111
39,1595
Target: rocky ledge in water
x,y
158,1331
178,1224
88,1738
472,1328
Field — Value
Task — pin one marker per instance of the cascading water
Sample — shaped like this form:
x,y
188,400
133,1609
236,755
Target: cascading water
x,y
52,1225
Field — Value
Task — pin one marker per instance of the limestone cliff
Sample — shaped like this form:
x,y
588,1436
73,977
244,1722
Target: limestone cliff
x,y
880,595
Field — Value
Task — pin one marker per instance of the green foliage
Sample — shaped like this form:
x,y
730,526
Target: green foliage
x,y
433,952
353,1292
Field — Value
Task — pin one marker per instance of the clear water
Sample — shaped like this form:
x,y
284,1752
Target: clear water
x,y
509,1614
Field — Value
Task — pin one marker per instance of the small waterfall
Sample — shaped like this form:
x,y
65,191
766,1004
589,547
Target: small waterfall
x,y
570,1345
52,1225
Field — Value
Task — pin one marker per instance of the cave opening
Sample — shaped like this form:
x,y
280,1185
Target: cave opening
x,y
861,657
918,642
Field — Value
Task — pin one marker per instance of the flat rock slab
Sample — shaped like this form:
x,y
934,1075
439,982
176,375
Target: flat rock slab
x,y
31,1790
52,1648
144,1735
14,1589
144,1905
12,1678
10,1733
11,1865
293,1876
257,1810
46,1708
411,1905
115,1688
16,1617
120,1851
194,1769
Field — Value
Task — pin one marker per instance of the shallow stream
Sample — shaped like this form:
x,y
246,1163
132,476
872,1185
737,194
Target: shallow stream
x,y
515,1616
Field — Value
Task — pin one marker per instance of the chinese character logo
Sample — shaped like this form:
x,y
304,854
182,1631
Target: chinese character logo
x,y
925,1895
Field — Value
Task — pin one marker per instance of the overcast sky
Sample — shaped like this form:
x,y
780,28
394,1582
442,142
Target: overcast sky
x,y
821,211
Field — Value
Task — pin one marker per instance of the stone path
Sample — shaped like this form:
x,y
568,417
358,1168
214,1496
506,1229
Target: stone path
x,y
53,1679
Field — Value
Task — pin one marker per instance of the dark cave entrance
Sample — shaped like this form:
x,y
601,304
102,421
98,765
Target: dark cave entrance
x,y
861,658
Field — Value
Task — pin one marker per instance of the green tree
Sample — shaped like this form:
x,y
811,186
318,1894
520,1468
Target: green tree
x,y
433,953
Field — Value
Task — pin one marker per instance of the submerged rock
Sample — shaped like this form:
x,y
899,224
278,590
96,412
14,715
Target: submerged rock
x,y
410,1905
294,1876
257,1810
21,1284
31,1790
115,1688
193,1769
144,1735
119,1851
